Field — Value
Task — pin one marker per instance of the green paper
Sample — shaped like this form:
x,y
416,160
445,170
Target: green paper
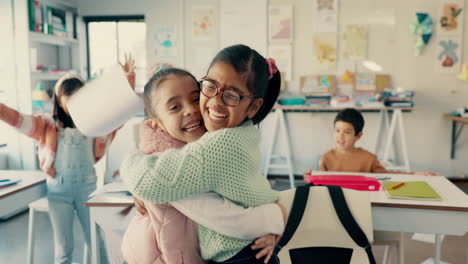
x,y
411,190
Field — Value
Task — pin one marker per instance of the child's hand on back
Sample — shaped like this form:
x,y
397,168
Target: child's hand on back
x,y
426,173
267,244
140,206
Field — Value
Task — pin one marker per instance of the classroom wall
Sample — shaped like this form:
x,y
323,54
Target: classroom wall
x,y
390,45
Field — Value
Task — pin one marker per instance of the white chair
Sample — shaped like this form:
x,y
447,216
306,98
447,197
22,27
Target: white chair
x,y
42,205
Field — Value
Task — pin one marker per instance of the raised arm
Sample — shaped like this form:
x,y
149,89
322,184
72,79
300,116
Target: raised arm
x,y
29,125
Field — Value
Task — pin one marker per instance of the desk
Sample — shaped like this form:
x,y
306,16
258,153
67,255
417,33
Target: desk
x,y
386,134
455,133
16,198
104,212
446,217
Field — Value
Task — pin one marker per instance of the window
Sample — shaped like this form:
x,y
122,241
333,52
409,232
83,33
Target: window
x,y
109,38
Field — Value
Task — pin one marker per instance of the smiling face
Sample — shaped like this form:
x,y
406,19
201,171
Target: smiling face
x,y
176,105
345,136
215,113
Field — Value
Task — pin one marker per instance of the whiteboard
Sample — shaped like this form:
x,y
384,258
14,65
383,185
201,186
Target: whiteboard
x,y
243,22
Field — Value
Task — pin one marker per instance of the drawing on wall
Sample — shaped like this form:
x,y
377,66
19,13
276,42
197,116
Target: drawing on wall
x,y
421,27
280,23
283,58
166,38
318,84
463,75
203,23
354,41
451,21
324,51
346,74
326,15
449,54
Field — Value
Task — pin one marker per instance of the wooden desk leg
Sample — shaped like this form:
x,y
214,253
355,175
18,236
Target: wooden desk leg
x,y
281,121
404,147
453,141
397,121
438,248
382,130
94,237
271,145
284,129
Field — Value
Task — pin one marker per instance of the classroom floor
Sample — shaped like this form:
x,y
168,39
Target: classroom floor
x,y
14,234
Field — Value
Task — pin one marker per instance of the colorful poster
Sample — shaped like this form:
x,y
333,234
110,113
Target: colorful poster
x,y
354,40
283,58
325,15
449,54
346,76
166,40
451,20
280,23
324,52
203,23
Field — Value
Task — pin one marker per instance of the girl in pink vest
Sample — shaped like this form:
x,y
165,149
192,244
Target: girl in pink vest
x,y
167,233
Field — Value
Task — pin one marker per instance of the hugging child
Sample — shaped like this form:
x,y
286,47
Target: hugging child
x,y
238,92
166,234
346,157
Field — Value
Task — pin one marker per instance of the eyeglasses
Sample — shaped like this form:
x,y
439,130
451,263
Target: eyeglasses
x,y
229,97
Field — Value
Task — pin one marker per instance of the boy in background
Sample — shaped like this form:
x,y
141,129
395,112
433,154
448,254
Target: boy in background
x,y
346,157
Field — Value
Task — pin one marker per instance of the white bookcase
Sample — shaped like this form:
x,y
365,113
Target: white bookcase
x,y
54,52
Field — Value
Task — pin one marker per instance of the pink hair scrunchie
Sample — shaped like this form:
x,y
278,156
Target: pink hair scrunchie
x,y
272,68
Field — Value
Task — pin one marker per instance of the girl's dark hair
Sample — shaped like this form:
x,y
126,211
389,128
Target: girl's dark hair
x,y
352,116
67,87
249,62
154,83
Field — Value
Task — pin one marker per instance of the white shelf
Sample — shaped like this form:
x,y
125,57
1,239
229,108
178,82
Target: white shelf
x,y
48,76
64,4
51,39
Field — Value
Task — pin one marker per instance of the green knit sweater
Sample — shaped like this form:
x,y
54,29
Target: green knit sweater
x,y
225,161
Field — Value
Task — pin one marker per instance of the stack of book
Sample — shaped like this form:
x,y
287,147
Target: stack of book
x,y
342,100
367,99
398,99
318,100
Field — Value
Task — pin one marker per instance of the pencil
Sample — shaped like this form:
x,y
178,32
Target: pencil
x,y
396,186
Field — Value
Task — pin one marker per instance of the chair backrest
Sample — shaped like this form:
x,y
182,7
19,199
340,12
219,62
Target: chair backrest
x,y
320,233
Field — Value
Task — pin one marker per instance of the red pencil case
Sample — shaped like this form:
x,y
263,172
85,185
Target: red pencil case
x,y
355,182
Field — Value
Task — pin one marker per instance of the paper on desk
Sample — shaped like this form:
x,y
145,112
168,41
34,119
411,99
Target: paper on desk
x,y
110,188
104,104
9,181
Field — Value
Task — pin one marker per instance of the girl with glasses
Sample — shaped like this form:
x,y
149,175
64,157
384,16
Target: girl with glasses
x,y
237,93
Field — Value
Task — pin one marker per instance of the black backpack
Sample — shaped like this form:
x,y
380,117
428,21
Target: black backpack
x,y
339,239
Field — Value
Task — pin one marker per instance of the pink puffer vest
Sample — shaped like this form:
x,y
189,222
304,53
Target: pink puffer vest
x,y
164,235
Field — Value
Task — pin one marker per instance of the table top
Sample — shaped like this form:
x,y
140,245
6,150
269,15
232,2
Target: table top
x,y
29,178
453,199
456,118
304,108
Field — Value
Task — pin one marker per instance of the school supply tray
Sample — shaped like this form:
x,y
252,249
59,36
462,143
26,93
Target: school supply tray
x,y
355,182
